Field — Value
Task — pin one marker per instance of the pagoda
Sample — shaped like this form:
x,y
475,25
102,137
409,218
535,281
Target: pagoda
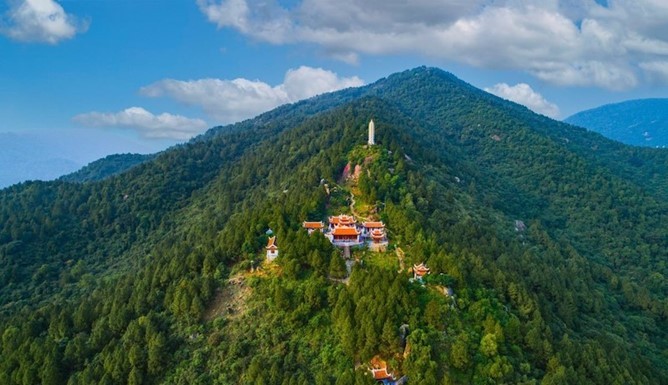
x,y
419,271
372,133
272,249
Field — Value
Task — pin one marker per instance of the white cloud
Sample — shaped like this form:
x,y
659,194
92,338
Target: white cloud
x,y
565,42
523,94
232,100
41,21
147,124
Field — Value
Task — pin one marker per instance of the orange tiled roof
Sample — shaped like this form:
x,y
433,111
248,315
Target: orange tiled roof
x,y
272,243
313,225
342,220
374,225
420,269
377,233
345,230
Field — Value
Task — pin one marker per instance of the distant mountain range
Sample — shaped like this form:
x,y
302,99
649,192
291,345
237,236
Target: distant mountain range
x,y
24,157
641,122
48,155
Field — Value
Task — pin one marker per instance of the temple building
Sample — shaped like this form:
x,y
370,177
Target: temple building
x,y
367,227
341,220
372,133
313,226
343,235
419,271
272,249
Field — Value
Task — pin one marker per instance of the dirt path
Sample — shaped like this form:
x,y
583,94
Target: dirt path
x,y
400,256
352,208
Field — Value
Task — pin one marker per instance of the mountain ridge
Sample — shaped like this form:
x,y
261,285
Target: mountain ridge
x,y
112,277
638,122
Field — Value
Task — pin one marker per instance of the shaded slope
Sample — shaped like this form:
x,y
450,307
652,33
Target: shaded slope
x,y
642,122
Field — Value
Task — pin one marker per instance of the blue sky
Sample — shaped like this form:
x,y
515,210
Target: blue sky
x,y
139,75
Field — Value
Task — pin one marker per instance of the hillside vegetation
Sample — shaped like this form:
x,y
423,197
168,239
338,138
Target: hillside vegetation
x,y
106,167
150,276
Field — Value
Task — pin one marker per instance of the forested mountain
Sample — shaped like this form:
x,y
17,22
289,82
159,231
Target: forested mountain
x,y
642,122
108,166
551,237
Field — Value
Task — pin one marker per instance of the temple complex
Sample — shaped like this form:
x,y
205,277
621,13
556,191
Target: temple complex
x,y
344,231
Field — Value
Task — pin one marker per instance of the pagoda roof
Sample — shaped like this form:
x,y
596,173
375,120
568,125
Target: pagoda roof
x,y
420,269
271,244
374,225
342,219
313,225
377,233
345,230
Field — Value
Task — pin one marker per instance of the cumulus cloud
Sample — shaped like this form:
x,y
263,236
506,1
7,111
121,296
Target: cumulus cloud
x,y
39,21
523,94
163,126
232,100
565,42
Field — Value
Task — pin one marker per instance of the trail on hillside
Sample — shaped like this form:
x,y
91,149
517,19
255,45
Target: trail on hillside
x,y
352,208
400,256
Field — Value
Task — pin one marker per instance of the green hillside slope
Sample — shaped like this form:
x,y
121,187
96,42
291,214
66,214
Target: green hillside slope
x,y
106,167
156,276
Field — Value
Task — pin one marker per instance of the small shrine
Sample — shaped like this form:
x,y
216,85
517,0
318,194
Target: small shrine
x,y
419,271
272,249
313,226
382,376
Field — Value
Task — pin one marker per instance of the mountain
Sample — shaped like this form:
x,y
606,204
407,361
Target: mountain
x,y
642,122
47,155
24,158
546,245
106,167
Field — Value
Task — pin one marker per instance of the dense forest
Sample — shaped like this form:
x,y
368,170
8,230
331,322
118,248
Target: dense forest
x,y
551,239
108,166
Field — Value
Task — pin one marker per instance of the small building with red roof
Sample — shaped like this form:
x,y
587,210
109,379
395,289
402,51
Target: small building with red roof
x,y
419,271
272,249
313,226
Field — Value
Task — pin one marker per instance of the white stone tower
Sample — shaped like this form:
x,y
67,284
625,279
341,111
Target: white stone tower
x,y
372,129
